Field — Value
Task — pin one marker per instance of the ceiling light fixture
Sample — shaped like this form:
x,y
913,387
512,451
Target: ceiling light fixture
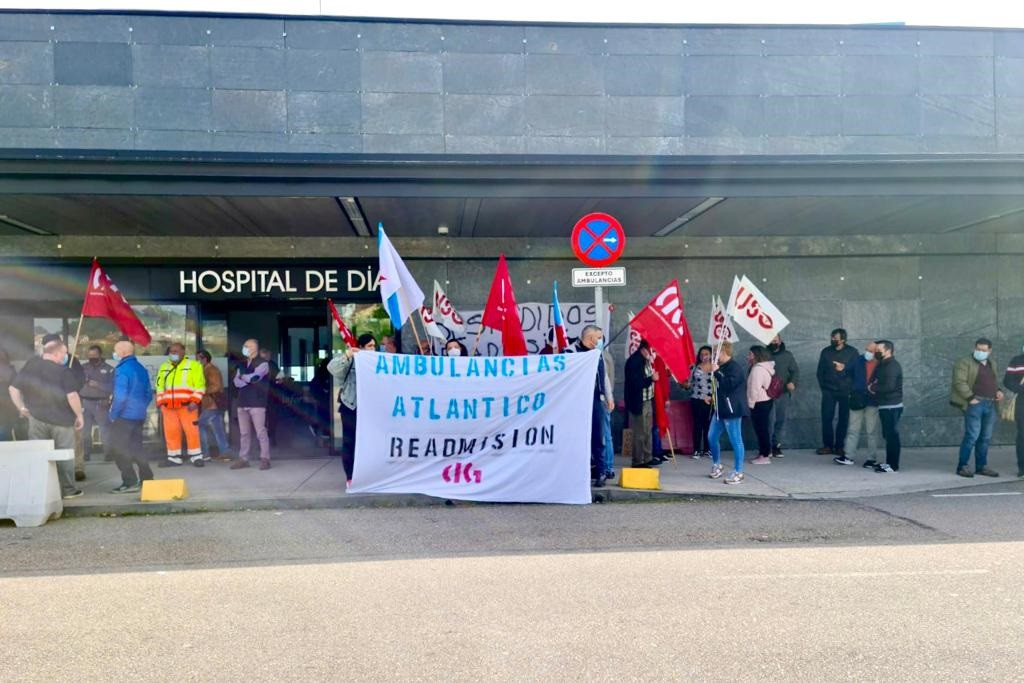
x,y
693,213
350,205
15,223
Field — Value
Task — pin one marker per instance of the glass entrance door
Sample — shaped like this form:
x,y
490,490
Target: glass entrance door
x,y
304,343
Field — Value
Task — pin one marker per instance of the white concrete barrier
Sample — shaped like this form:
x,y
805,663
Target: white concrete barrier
x,y
30,493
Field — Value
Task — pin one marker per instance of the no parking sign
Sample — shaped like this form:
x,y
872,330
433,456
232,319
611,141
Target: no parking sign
x,y
598,240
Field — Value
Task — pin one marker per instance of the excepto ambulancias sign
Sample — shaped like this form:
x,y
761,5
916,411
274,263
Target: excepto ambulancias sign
x,y
242,281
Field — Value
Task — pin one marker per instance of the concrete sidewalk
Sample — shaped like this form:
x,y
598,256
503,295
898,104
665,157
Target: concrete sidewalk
x,y
320,482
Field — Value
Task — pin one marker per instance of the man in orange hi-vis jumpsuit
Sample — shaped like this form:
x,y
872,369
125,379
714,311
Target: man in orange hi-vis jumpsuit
x,y
180,386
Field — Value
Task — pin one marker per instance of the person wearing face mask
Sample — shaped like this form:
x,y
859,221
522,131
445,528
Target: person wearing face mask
x,y
46,392
591,338
131,397
700,386
639,393
863,410
762,370
1013,380
455,348
730,407
886,386
99,386
789,372
975,391
343,368
180,387
835,377
253,384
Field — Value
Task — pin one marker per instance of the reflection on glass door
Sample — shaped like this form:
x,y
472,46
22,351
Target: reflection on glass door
x,y
304,342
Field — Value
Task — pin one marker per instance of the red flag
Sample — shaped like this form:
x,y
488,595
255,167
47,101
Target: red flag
x,y
663,325
103,300
502,313
346,334
661,390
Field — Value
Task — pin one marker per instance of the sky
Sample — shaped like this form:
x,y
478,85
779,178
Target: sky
x,y
980,13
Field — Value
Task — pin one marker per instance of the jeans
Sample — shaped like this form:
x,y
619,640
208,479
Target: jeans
x,y
701,413
761,416
126,445
609,444
979,421
94,412
348,439
1018,418
213,420
252,420
868,417
734,428
780,409
642,443
833,402
890,419
63,439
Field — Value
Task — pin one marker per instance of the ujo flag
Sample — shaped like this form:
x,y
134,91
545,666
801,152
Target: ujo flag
x,y
502,313
663,325
398,290
346,334
720,327
445,313
754,312
430,325
103,300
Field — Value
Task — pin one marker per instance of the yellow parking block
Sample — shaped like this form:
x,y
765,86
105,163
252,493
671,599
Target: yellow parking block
x,y
162,490
640,478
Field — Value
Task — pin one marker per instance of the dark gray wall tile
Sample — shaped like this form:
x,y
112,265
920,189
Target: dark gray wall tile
x,y
881,115
249,142
94,138
1010,115
880,75
802,144
26,63
174,108
18,27
401,72
321,34
805,75
240,31
548,115
484,144
173,140
1009,77
484,39
94,107
801,41
888,318
28,106
321,112
951,42
724,116
482,74
400,37
724,145
320,143
724,41
580,40
802,115
565,145
92,64
644,75
22,138
723,75
327,70
92,28
176,66
647,146
558,74
402,114
881,144
248,68
1009,43
485,115
654,117
249,110
170,30
956,76
957,115
645,41
403,144
867,41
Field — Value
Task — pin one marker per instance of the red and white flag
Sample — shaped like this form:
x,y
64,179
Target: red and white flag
x,y
104,300
502,313
663,324
445,313
633,343
752,311
346,334
430,325
720,328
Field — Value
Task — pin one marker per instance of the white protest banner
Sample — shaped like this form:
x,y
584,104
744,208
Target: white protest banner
x,y
752,310
719,327
490,429
537,319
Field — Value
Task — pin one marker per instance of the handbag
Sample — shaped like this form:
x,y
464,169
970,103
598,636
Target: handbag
x,y
1008,408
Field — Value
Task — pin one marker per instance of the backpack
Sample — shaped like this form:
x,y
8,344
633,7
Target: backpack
x,y
775,388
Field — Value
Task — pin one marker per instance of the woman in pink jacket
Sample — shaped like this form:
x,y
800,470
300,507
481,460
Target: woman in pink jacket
x,y
762,368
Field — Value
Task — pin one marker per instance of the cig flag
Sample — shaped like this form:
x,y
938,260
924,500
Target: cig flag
x,y
445,313
104,300
752,311
502,313
398,290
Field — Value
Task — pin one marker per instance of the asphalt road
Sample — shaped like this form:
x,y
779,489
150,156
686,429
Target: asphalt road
x,y
909,588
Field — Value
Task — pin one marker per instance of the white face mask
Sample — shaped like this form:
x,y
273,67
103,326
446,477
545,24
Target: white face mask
x,y
455,352
246,352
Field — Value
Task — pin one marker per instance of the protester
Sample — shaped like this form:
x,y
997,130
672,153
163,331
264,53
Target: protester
x,y
639,392
8,413
835,380
343,367
762,369
887,388
1013,380
253,384
213,407
789,373
96,395
863,410
549,343
730,407
453,347
592,337
180,386
606,423
700,387
975,391
46,392
127,414
389,344
423,348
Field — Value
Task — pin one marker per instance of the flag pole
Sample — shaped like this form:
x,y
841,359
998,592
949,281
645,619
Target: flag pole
x,y
425,332
671,447
477,340
416,334
81,318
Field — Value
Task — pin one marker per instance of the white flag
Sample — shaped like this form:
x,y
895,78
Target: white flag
x,y
429,325
398,290
752,311
720,328
445,313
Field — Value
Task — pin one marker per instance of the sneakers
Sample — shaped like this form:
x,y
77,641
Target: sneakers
x,y
986,472
843,460
73,494
171,461
264,464
824,451
197,460
716,471
79,475
697,455
868,464
761,460
125,488
884,467
777,451
734,478
964,472
239,464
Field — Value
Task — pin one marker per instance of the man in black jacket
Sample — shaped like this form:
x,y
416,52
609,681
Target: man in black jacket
x,y
640,378
887,388
730,406
1013,380
592,337
835,377
788,371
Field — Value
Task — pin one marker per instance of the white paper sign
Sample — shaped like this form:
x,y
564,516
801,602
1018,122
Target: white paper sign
x,y
513,429
537,318
752,311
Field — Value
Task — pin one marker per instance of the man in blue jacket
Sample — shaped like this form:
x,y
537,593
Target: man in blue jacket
x,y
730,406
132,394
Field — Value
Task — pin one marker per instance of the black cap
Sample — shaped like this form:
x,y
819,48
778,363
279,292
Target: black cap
x,y
47,339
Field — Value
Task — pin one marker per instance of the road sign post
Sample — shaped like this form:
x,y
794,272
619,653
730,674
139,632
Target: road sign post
x,y
598,241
